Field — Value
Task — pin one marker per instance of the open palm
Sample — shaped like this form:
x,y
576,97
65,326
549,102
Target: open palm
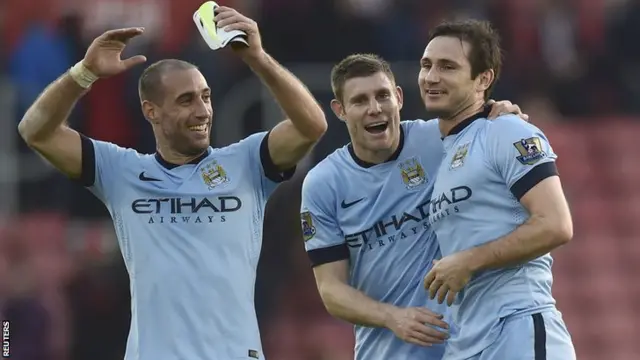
x,y
103,58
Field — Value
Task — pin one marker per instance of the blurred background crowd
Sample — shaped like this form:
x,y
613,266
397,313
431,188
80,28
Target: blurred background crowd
x,y
573,65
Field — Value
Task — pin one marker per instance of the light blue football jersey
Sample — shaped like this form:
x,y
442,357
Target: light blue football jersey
x,y
191,237
376,217
488,167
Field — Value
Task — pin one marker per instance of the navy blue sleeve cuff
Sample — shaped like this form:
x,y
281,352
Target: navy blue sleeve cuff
x,y
88,175
533,177
271,171
328,255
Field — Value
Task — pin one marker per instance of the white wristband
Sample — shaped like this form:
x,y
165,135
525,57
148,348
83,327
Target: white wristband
x,y
80,74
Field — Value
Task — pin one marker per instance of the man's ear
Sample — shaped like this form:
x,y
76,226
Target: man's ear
x,y
150,112
338,109
400,96
485,80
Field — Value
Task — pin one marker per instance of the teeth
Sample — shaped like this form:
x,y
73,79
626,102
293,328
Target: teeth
x,y
202,127
378,123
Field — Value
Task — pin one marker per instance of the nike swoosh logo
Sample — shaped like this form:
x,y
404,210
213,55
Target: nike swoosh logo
x,y
145,178
346,205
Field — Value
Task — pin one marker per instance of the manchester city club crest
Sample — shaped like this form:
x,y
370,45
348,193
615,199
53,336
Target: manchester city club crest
x,y
213,174
459,156
308,230
412,173
530,150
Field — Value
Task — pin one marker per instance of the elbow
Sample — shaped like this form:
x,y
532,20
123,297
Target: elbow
x,y
23,131
561,232
27,134
319,128
326,295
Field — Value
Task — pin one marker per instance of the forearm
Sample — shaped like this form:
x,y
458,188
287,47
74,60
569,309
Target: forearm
x,y
294,98
51,109
531,240
351,305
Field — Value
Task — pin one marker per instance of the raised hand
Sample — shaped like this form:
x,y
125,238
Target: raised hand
x,y
230,19
103,57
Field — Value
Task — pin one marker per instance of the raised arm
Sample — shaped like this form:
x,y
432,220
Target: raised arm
x,y
329,256
44,127
293,138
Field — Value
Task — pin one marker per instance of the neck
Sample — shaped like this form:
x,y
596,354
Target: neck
x,y
377,156
173,157
448,123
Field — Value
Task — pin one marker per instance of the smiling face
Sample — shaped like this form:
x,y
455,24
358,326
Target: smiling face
x,y
445,80
370,107
182,117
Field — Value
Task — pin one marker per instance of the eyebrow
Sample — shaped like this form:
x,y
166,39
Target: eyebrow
x,y
376,91
191,93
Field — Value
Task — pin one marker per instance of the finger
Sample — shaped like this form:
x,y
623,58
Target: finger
x,y
123,34
491,102
218,16
432,320
429,279
427,312
433,289
224,9
442,293
516,109
230,20
525,117
495,111
429,331
133,61
242,26
452,297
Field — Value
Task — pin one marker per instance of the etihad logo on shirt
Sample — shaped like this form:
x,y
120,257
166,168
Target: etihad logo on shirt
x,y
448,203
387,231
187,209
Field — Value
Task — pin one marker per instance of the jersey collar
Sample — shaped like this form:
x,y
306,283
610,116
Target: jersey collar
x,y
167,165
393,157
468,121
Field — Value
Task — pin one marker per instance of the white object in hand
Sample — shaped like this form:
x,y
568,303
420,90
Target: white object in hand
x,y
215,37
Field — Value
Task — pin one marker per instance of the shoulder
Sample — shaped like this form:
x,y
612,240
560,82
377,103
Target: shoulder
x,y
108,149
422,130
322,181
250,142
420,125
327,169
509,124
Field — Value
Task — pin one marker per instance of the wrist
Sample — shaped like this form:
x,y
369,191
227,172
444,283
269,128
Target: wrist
x,y
474,258
388,312
82,75
257,61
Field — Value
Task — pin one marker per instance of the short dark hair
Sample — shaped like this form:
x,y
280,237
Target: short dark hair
x,y
485,51
357,65
150,83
